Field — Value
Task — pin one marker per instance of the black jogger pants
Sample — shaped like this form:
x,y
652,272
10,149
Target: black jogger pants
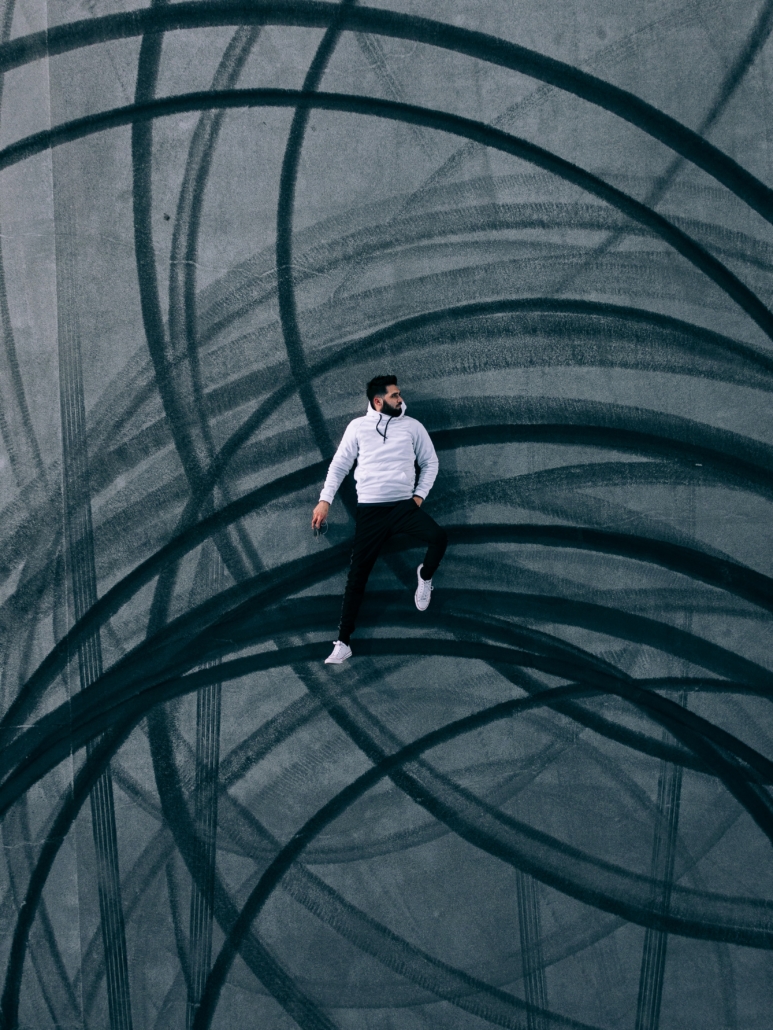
x,y
375,524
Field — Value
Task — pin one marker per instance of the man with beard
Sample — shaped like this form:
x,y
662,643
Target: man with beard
x,y
385,444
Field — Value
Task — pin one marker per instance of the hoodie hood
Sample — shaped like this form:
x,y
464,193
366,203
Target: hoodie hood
x,y
382,421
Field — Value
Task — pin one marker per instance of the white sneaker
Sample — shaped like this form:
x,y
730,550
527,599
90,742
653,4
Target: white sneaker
x,y
423,591
339,653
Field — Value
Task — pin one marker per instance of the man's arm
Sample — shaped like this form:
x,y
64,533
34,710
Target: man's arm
x,y
428,463
343,459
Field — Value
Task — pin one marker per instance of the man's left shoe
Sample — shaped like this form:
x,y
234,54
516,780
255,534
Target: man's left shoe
x,y
423,591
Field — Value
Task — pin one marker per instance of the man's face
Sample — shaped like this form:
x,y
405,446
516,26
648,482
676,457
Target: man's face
x,y
391,403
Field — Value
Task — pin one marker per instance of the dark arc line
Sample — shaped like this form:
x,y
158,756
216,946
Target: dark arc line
x,y
739,579
134,114
494,50
330,811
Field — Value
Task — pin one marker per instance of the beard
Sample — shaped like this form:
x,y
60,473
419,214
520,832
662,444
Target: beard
x,y
387,409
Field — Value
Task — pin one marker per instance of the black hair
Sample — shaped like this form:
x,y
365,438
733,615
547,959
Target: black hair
x,y
377,387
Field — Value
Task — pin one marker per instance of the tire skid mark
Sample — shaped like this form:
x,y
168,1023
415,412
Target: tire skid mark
x,y
251,285
16,426
278,582
300,713
122,729
757,39
253,845
80,561
143,113
612,428
182,338
307,13
206,880
45,955
126,462
741,778
384,766
687,728
653,961
205,814
183,355
492,1009
717,572
499,1007
235,442
184,426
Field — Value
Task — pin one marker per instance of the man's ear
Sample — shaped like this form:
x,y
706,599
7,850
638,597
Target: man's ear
x,y
378,403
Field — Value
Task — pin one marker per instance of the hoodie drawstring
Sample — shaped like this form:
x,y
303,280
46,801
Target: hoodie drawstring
x,y
386,427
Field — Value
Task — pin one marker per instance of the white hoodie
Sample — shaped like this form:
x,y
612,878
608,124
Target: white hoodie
x,y
385,447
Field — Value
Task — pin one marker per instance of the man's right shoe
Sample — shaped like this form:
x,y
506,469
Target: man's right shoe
x,y
339,653
423,591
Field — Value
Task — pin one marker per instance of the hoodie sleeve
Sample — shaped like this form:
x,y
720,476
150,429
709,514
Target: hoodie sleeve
x,y
427,459
343,459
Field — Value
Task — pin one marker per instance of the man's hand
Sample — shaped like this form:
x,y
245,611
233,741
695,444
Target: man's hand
x,y
418,499
319,514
